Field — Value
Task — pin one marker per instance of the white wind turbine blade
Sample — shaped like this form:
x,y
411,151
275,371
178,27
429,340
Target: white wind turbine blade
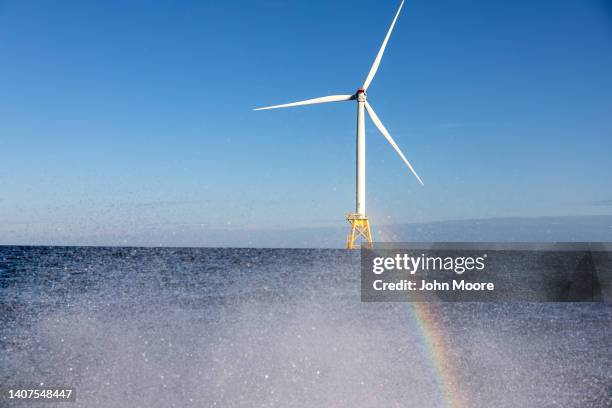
x,y
323,99
387,136
376,63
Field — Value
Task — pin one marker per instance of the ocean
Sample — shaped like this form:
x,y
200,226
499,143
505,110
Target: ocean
x,y
212,327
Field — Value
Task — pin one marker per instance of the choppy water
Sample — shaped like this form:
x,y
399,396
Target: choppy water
x,y
276,328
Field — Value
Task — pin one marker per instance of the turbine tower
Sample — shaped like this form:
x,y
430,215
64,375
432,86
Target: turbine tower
x,y
360,225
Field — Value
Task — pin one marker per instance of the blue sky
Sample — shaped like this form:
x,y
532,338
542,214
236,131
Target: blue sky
x,y
118,117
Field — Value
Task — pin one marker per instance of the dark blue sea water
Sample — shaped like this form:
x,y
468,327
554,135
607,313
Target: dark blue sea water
x,y
161,327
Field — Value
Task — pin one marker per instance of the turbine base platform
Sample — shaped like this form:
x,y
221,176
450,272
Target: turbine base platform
x,y
360,230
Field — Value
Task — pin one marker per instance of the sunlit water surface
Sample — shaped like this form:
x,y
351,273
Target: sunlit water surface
x,y
164,327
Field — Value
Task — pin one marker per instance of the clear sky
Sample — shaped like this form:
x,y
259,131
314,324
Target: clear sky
x,y
136,116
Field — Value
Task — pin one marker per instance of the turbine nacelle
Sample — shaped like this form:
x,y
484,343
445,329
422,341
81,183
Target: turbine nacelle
x,y
361,95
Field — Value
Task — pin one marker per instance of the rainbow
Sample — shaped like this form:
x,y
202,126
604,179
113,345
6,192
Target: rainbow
x,y
425,314
437,344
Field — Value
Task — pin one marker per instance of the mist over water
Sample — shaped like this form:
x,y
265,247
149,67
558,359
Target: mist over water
x,y
277,328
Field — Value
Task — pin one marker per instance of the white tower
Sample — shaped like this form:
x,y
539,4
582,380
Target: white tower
x,y
361,152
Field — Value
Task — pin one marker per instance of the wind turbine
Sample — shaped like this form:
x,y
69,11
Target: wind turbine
x,y
360,225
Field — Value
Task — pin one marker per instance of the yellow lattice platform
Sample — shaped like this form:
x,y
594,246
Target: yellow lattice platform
x,y
360,231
